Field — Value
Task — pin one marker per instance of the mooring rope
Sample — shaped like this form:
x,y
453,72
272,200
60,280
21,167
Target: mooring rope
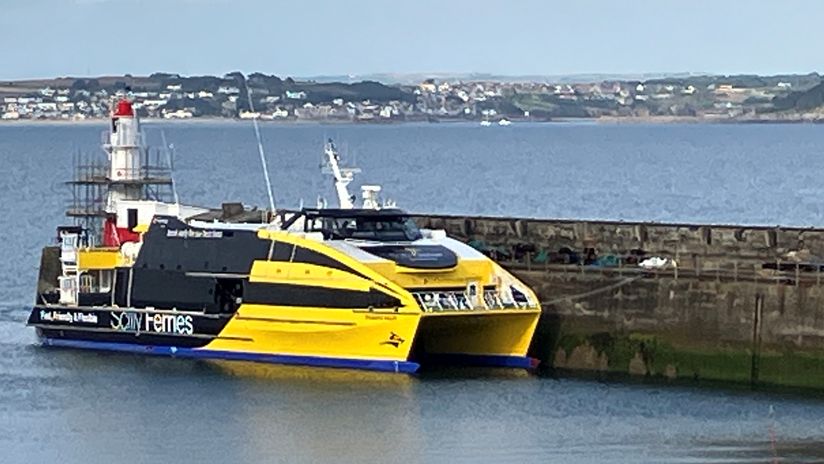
x,y
580,296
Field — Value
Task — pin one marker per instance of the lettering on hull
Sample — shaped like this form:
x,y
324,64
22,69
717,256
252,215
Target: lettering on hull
x,y
172,324
69,317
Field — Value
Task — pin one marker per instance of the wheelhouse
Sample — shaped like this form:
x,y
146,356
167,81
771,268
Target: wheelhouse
x,y
385,225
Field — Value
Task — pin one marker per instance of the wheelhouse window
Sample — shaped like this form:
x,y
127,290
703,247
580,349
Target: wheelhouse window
x,y
381,228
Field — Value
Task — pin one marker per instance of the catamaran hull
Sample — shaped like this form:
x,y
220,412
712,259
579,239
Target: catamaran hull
x,y
201,353
387,342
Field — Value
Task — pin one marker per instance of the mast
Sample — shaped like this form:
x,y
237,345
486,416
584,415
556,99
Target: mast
x,y
261,152
342,176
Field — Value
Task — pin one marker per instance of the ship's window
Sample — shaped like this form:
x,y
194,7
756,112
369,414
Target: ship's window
x,y
379,228
86,283
105,285
131,215
228,295
281,251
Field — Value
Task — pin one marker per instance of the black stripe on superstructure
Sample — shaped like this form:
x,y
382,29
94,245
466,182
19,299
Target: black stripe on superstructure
x,y
445,289
309,296
281,251
172,289
307,256
170,244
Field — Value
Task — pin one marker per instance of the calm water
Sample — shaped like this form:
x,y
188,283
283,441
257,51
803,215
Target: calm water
x,y
88,407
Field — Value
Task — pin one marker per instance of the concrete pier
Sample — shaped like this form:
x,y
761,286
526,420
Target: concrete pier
x,y
742,304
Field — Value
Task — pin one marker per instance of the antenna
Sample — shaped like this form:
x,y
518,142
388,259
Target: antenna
x,y
170,164
260,146
341,176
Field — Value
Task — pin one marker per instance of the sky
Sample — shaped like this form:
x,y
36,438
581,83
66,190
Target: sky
x,y
302,38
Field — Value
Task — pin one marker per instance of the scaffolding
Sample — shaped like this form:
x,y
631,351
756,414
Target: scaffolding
x,y
91,183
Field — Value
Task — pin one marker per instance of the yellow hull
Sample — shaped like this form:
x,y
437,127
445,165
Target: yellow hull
x,y
319,332
489,337
479,335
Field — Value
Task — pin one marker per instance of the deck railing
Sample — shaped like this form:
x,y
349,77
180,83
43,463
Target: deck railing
x,y
443,301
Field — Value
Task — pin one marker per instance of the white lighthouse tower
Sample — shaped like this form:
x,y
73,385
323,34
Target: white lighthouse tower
x,y
124,151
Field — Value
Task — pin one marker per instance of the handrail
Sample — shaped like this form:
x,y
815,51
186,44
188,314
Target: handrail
x,y
450,300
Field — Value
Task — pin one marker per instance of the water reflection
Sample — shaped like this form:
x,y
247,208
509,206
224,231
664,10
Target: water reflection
x,y
768,451
99,407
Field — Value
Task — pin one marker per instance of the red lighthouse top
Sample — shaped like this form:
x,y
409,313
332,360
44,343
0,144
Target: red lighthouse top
x,y
124,108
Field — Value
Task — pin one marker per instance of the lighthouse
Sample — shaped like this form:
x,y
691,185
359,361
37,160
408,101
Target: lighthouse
x,y
126,179
112,196
124,152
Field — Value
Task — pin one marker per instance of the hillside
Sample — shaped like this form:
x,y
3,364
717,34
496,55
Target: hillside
x,y
803,101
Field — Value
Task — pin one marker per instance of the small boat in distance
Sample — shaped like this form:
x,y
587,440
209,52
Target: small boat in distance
x,y
353,287
486,123
504,122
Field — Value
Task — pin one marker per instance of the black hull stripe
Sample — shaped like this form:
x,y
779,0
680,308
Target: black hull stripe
x,y
136,334
122,337
132,310
292,321
128,325
316,297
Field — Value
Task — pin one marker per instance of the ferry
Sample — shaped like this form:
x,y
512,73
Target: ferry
x,y
354,286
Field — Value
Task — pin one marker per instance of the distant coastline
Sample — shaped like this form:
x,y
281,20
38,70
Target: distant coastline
x,y
673,99
605,120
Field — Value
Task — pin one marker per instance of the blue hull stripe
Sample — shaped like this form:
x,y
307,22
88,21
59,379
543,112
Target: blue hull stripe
x,y
375,365
459,359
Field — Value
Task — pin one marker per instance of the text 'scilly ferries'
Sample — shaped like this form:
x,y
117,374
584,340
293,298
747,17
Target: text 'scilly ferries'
x,y
358,287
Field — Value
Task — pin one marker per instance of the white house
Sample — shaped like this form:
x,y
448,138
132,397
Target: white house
x,y
386,112
249,115
300,95
47,106
177,114
155,103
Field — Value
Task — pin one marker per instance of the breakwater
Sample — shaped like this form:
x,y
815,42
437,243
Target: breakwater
x,y
740,304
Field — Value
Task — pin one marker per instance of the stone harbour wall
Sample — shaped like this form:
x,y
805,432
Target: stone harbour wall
x,y
741,304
